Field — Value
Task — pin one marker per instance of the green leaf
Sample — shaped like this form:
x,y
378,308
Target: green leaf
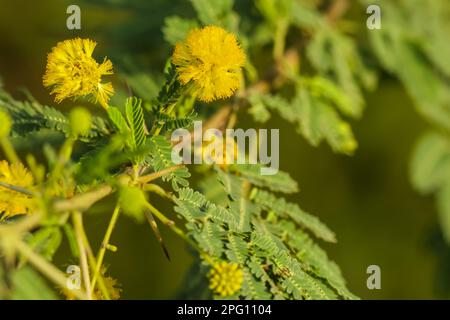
x,y
70,235
252,288
257,108
315,116
275,11
118,120
237,190
176,29
281,181
430,163
312,256
31,116
309,117
327,89
27,284
443,204
209,237
430,169
319,120
192,205
218,12
335,55
101,161
144,83
294,279
46,241
212,190
417,55
170,123
160,157
287,209
135,119
338,133
305,16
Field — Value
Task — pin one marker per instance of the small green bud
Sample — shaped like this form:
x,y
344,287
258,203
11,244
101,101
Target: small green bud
x,y
5,124
80,121
111,247
132,202
348,144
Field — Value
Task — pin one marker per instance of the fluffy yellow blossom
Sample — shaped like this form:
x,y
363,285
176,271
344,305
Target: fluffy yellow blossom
x,y
211,60
72,72
225,278
111,285
13,202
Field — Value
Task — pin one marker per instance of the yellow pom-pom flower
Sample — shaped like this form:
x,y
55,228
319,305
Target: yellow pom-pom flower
x,y
72,72
211,59
14,202
225,278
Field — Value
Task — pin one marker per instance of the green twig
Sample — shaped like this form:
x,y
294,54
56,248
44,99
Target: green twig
x,y
280,39
46,268
17,189
158,174
105,242
10,153
77,220
64,156
93,264
83,201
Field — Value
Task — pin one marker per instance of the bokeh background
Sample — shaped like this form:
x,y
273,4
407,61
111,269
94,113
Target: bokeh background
x,y
366,199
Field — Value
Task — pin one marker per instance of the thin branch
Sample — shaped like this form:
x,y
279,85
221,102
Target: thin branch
x,y
159,174
336,10
10,153
17,189
83,201
93,265
78,225
46,268
105,242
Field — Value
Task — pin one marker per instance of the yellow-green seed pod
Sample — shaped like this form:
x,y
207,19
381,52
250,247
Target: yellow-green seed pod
x,y
5,124
80,121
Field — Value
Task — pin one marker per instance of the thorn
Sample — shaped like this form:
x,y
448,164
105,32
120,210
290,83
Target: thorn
x,y
155,229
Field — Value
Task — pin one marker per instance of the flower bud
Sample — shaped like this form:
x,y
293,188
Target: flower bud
x,y
349,144
5,124
80,121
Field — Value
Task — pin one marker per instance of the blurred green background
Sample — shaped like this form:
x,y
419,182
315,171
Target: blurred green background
x,y
366,199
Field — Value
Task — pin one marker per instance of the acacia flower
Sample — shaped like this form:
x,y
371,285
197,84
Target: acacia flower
x,y
72,72
13,202
225,278
211,59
